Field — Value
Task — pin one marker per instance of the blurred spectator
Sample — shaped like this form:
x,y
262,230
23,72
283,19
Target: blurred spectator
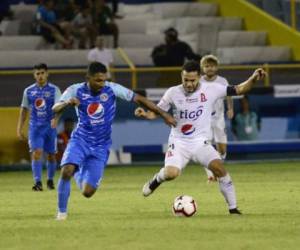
x,y
104,19
101,54
246,124
173,52
83,3
5,11
83,28
66,10
52,30
63,138
115,5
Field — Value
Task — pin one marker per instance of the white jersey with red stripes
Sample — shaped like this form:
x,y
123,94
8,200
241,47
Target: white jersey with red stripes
x,y
192,111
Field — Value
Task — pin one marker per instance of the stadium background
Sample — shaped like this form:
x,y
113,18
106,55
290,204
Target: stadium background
x,y
243,34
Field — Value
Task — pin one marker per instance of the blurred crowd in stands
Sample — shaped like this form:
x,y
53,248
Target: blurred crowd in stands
x,y
71,23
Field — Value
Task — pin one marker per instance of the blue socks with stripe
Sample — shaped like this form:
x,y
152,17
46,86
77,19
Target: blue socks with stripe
x,y
37,166
51,168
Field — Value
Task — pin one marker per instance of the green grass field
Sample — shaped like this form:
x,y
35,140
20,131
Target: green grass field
x,y
119,217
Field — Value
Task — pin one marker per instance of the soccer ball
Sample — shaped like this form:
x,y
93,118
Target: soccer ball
x,y
184,205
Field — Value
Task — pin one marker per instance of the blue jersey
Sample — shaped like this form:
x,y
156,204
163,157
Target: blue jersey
x,y
45,15
96,111
39,100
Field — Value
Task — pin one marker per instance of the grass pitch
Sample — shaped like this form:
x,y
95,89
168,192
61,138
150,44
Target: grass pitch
x,y
119,217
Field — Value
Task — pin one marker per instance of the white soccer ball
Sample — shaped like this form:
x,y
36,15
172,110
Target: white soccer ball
x,y
184,205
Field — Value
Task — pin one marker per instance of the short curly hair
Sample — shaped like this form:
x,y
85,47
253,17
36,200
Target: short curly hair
x,y
209,59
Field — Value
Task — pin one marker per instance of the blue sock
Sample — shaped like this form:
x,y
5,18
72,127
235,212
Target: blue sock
x,y
63,191
51,168
37,166
78,179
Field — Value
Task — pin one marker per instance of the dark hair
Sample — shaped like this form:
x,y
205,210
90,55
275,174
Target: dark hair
x,y
191,66
96,67
41,66
171,32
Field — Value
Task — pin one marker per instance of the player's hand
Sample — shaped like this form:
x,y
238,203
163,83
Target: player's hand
x,y
53,123
140,112
169,120
74,101
259,74
230,113
21,136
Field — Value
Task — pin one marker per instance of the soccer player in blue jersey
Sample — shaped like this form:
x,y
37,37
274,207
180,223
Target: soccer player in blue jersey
x,y
87,152
38,99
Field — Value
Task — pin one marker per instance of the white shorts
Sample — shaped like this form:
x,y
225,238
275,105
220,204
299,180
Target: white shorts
x,y
219,130
180,152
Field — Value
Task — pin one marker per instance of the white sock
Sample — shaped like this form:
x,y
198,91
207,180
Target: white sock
x,y
209,173
228,191
160,176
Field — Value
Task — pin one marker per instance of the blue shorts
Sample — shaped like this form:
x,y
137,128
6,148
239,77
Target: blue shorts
x,y
43,137
90,162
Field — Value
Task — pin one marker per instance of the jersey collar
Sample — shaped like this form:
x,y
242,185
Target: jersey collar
x,y
41,87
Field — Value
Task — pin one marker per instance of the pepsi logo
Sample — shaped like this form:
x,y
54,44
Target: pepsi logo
x,y
187,129
40,104
95,110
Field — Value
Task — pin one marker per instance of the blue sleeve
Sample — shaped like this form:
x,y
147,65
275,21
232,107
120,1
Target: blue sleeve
x,y
69,93
25,103
121,92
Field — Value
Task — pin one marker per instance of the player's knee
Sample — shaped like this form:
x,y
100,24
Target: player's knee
x,y
51,157
222,150
171,173
67,172
88,191
216,166
37,155
87,194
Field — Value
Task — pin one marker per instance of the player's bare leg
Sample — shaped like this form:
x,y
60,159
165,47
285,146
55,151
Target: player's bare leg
x,y
210,176
222,149
51,168
226,185
63,190
36,158
167,173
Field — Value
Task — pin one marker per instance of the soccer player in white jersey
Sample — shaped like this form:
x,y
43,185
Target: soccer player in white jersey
x,y
209,65
192,103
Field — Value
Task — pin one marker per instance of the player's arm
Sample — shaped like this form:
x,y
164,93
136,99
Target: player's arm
x,y
23,115
61,105
56,116
67,99
149,115
164,104
22,119
229,102
128,95
246,86
141,100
